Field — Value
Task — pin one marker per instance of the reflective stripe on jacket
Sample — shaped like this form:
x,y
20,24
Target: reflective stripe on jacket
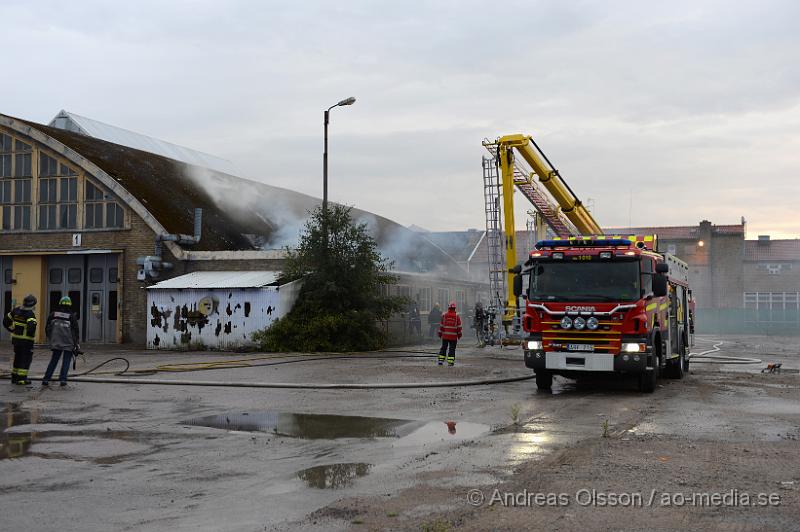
x,y
21,321
450,326
62,330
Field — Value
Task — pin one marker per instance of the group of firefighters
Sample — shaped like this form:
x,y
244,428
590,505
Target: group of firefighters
x,y
61,330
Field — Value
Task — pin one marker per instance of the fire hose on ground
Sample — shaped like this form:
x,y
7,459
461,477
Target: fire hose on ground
x,y
124,376
706,357
119,377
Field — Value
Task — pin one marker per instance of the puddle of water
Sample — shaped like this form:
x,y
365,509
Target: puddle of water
x,y
15,444
333,476
332,427
26,432
443,431
308,426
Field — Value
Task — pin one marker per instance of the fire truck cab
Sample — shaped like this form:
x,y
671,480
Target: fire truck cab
x,y
605,305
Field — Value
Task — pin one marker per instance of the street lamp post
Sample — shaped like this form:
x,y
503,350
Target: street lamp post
x,y
347,101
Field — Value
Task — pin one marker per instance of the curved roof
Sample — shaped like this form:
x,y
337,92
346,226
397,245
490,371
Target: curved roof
x,y
238,214
100,130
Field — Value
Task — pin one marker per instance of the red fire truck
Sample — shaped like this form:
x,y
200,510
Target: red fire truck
x,y
605,305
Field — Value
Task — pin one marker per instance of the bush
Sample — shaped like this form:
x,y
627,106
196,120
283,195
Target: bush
x,y
340,305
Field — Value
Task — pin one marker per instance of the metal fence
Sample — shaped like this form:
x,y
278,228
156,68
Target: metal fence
x,y
768,321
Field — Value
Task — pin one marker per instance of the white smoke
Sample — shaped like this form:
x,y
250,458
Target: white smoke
x,y
286,212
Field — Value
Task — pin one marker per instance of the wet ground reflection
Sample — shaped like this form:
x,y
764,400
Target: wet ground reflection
x,y
333,476
332,427
308,426
15,444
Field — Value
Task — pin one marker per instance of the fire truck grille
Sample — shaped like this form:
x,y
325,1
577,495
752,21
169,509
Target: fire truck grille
x,y
606,338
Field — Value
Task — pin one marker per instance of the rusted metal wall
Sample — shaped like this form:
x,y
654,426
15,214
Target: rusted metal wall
x,y
213,318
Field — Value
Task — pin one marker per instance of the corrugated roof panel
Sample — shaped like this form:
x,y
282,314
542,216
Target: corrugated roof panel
x,y
226,279
117,135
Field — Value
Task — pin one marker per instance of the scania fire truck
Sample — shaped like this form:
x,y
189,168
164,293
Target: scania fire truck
x,y
605,305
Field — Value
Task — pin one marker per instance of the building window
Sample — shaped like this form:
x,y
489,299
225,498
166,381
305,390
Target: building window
x,y
443,296
114,215
48,166
773,308
68,199
58,197
774,269
5,202
22,159
99,204
403,290
95,275
47,203
57,201
56,276
5,156
112,275
5,143
424,299
22,204
461,300
74,276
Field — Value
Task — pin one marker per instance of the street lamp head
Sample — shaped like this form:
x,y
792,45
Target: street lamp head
x,y
347,101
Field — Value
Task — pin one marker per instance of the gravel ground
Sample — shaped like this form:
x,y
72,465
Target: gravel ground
x,y
715,451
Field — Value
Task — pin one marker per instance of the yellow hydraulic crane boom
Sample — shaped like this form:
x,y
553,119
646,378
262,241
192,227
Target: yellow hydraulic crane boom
x,y
549,177
568,202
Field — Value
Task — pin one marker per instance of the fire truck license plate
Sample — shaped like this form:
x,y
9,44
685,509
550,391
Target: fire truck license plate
x,y
580,347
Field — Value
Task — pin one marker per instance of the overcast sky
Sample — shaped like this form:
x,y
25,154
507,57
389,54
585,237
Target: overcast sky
x,y
663,113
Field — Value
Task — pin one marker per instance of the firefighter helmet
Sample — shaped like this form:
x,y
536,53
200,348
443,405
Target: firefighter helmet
x,y
452,304
65,301
29,301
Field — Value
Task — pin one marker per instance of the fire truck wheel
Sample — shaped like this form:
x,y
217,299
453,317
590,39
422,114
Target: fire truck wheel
x,y
544,381
647,381
676,368
685,356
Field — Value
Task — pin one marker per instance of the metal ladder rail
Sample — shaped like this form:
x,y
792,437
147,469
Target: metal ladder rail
x,y
525,182
494,235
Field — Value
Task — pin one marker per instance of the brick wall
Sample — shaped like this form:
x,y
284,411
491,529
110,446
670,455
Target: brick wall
x,y
135,241
727,270
758,279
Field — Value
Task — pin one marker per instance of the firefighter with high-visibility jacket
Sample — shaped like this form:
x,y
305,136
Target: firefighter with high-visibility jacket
x,y
449,332
21,322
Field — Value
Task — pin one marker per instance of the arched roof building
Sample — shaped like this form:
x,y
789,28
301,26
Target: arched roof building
x,y
79,213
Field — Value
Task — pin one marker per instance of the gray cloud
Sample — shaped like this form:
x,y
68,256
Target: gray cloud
x,y
693,106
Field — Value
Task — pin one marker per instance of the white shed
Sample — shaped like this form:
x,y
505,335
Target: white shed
x,y
215,310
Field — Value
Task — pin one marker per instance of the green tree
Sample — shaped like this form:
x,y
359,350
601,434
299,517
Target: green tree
x,y
340,305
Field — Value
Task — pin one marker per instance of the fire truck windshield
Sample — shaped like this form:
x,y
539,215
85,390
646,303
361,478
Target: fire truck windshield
x,y
584,281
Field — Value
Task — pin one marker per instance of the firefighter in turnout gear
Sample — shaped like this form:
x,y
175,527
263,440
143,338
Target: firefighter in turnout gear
x,y
62,332
21,322
449,332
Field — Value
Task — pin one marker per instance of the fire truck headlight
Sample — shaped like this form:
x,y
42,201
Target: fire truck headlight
x,y
579,324
566,322
592,323
534,345
632,348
